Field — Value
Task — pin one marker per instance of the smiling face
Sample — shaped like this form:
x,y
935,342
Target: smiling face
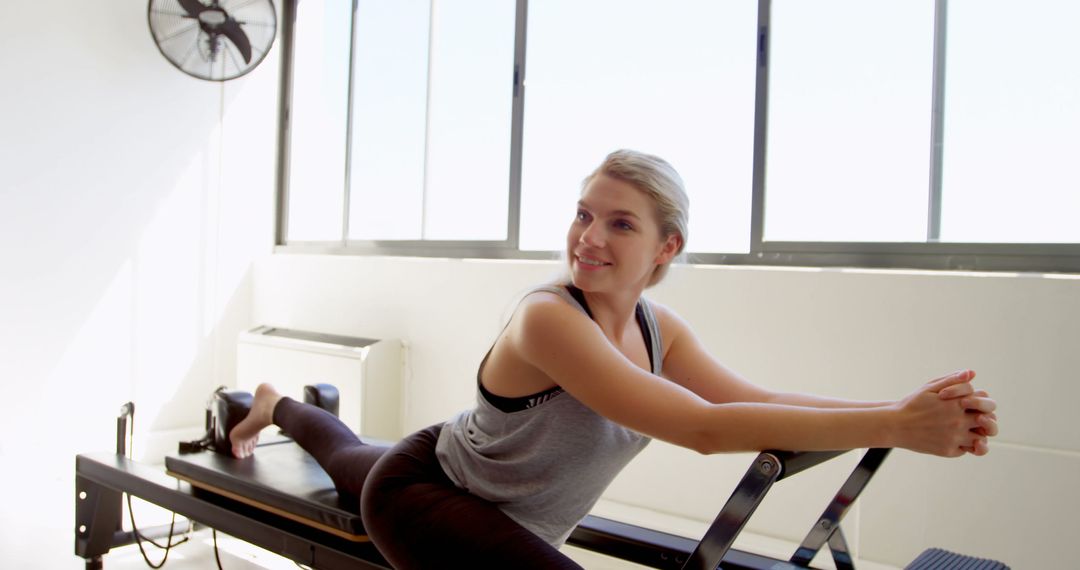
x,y
615,241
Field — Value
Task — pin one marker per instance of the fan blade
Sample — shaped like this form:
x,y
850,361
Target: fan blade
x,y
232,30
192,7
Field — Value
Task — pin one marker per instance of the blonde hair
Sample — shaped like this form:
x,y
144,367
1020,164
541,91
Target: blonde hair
x,y
660,182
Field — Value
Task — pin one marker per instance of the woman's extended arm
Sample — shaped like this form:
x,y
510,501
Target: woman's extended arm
x,y
569,348
687,363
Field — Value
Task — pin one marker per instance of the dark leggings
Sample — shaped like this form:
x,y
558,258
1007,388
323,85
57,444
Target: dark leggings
x,y
413,512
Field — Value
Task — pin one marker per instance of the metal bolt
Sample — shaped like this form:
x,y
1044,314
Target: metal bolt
x,y
825,524
766,467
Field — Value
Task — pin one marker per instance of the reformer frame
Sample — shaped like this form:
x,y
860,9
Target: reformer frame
x,y
102,479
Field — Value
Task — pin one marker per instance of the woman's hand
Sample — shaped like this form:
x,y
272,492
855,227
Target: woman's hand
x,y
976,402
959,422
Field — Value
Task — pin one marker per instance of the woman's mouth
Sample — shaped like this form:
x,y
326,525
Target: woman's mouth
x,y
591,262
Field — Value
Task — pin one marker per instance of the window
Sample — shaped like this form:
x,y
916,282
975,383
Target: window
x,y
389,119
318,121
671,78
917,133
849,120
1012,122
431,100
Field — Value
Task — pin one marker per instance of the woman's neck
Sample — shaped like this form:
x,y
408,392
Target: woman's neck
x,y
614,313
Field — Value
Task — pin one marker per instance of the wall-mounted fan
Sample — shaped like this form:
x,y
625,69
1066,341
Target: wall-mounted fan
x,y
213,39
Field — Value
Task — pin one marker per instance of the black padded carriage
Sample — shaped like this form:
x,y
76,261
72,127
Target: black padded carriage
x,y
283,479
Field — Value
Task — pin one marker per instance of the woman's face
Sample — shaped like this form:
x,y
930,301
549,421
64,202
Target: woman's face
x,y
615,241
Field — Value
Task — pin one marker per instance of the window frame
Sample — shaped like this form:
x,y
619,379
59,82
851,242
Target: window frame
x,y
929,255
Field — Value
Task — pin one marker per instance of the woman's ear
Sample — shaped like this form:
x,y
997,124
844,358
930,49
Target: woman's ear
x,y
670,249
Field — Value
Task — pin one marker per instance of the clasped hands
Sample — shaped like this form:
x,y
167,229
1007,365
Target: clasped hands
x,y
948,416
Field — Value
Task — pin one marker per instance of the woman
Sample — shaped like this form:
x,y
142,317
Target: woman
x,y
573,388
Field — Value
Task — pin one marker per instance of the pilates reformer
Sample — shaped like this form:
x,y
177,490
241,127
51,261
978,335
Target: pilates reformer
x,y
282,501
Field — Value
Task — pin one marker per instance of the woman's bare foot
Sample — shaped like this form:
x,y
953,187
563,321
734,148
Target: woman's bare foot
x,y
245,435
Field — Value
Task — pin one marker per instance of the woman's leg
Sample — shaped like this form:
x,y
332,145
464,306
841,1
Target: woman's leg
x,y
418,518
334,446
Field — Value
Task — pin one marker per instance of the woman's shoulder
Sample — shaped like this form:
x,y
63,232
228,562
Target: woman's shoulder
x,y
665,315
546,296
545,305
672,325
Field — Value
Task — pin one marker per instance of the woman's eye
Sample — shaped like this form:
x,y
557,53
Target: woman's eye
x,y
582,215
624,225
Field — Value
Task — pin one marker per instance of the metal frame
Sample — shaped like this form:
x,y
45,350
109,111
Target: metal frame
x,y
101,480
736,513
933,255
347,198
284,139
827,529
662,550
937,121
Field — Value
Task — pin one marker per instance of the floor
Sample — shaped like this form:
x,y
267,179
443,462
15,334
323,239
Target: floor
x,y
198,554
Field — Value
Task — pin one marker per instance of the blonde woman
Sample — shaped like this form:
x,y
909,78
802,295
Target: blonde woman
x,y
585,373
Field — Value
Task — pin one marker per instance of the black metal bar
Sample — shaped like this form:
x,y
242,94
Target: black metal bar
x,y
838,507
841,555
653,548
633,543
127,414
125,421
793,462
110,475
98,515
738,509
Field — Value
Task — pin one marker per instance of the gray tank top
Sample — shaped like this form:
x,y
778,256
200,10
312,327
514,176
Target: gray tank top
x,y
547,465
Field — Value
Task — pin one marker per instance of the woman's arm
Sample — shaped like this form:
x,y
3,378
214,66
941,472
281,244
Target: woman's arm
x,y
688,363
569,348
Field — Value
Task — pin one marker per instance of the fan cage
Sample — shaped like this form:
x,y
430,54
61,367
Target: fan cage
x,y
188,35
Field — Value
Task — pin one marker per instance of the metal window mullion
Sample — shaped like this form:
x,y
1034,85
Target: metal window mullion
x,y
288,18
761,123
427,121
937,122
517,124
346,199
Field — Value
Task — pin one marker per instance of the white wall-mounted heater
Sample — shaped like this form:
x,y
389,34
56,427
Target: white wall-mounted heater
x,y
367,372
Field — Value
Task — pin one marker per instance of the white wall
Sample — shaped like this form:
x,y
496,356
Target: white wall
x,y
847,333
132,201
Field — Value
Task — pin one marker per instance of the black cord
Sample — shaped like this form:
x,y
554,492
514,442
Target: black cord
x,y
139,538
216,557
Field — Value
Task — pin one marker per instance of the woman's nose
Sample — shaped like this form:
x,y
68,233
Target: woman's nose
x,y
593,236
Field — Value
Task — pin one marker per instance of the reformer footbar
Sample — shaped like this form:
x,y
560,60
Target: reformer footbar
x,y
661,550
281,500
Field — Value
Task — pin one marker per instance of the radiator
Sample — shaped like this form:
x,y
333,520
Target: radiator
x,y
367,372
